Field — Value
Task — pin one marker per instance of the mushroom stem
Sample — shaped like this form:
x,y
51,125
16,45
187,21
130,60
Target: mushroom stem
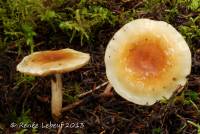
x,y
56,100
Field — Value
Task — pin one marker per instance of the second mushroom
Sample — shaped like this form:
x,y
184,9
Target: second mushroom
x,y
55,62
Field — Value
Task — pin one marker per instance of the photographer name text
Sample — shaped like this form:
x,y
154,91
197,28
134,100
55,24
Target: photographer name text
x,y
47,125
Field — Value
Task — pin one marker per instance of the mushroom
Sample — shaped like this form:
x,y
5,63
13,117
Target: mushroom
x,y
55,62
147,60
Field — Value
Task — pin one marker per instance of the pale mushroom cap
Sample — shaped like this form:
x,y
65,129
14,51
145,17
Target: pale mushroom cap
x,y
52,62
147,60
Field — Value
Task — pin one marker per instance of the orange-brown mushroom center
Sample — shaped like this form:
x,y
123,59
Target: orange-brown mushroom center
x,y
52,56
147,57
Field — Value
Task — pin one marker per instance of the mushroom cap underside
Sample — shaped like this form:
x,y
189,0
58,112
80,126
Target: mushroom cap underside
x,y
147,60
52,62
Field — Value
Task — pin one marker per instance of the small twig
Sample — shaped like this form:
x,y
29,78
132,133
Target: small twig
x,y
44,99
60,129
170,102
28,94
90,91
194,105
175,93
106,93
194,124
103,132
39,44
73,105
11,52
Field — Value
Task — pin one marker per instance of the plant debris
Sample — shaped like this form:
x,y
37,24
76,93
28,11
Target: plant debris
x,y
88,26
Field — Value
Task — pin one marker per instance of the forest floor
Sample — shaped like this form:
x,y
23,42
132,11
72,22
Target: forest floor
x,y
25,100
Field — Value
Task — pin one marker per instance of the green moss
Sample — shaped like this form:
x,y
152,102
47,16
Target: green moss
x,y
19,20
82,20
